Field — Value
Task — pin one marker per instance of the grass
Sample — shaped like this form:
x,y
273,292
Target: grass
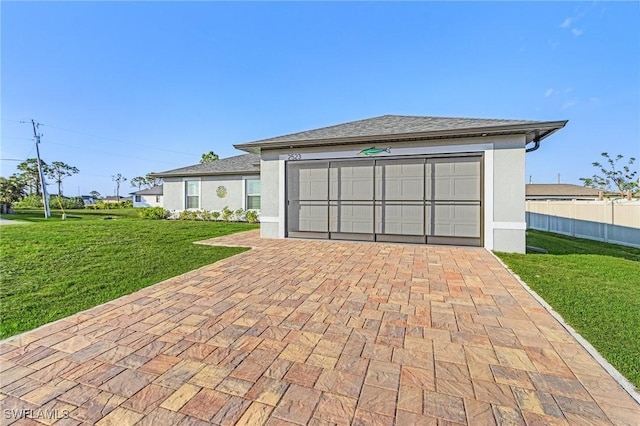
x,y
53,268
594,286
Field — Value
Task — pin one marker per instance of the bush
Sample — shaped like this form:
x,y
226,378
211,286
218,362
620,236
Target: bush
x,y
30,201
101,205
155,213
226,214
215,215
35,201
67,203
252,216
188,215
239,215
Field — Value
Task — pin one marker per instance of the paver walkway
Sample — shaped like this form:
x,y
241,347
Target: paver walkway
x,y
315,332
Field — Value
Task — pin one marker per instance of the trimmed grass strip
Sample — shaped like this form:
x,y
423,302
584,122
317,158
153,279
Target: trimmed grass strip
x,y
52,268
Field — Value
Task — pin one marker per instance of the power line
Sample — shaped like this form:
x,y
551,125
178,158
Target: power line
x,y
120,140
15,138
110,153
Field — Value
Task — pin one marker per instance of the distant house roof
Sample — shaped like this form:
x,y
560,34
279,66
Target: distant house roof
x,y
239,164
402,127
155,190
560,190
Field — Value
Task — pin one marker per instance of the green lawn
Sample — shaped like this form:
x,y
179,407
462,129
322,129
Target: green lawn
x,y
594,286
53,268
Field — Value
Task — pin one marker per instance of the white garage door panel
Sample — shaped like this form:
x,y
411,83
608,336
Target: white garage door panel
x,y
308,181
400,180
352,181
352,218
456,221
311,218
453,179
400,219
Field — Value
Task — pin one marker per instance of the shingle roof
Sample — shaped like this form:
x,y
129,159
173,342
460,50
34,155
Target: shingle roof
x,y
239,164
559,190
401,126
156,190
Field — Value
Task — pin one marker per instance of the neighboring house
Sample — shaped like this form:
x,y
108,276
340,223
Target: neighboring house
x,y
114,199
560,191
150,197
392,178
88,200
232,182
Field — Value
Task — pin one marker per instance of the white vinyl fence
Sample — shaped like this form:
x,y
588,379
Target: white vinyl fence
x,y
603,220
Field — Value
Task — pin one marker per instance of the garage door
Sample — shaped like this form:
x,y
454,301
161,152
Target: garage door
x,y
420,200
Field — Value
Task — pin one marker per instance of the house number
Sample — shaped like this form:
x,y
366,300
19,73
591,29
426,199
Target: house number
x,y
293,157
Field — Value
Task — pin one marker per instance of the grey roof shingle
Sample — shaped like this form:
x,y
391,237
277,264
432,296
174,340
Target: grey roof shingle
x,y
156,190
239,164
387,126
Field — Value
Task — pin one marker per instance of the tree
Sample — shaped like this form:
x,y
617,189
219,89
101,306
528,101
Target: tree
x,y
95,194
149,181
12,189
153,181
208,157
118,179
622,179
138,182
31,175
58,171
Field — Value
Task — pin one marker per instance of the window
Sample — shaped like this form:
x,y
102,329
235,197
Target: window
x,y
157,198
192,194
138,198
253,194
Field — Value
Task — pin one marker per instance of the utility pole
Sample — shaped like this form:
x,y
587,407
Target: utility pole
x,y
43,185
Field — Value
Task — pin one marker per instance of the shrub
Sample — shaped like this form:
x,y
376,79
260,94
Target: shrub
x,y
188,215
30,201
239,214
252,216
226,214
35,201
155,213
215,215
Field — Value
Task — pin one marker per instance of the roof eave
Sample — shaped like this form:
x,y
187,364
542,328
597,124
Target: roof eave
x,y
188,174
528,129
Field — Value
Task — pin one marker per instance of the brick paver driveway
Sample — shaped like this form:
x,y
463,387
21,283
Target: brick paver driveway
x,y
315,332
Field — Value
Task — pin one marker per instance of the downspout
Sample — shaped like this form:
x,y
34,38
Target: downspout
x,y
536,142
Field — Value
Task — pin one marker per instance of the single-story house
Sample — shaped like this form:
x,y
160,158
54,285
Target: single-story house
x,y
431,180
88,200
114,199
232,182
149,197
561,191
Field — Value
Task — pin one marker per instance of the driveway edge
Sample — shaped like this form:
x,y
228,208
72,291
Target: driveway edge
x,y
613,372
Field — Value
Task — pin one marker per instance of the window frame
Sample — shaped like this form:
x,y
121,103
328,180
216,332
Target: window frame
x,y
247,194
185,184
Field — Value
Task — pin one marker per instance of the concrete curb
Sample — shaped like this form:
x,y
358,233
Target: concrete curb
x,y
622,381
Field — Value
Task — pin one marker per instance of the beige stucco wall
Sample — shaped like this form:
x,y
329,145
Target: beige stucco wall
x,y
174,192
504,182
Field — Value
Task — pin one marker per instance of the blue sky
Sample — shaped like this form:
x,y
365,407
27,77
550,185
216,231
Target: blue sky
x,y
136,87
